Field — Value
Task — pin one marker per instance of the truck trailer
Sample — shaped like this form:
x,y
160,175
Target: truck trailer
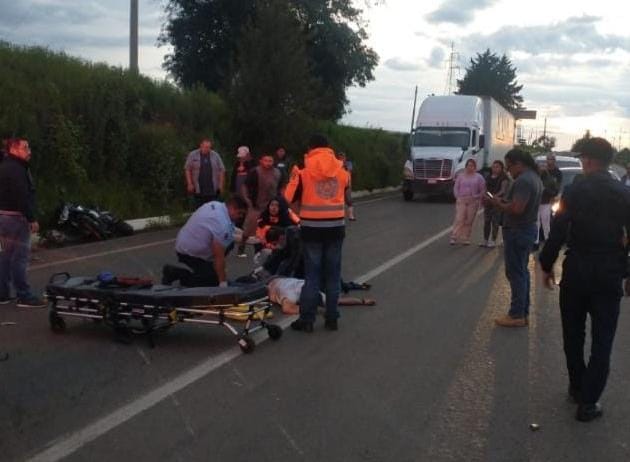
x,y
448,131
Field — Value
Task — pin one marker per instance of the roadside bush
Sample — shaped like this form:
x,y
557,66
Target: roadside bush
x,y
103,136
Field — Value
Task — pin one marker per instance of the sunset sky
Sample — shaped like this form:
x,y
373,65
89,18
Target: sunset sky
x,y
571,57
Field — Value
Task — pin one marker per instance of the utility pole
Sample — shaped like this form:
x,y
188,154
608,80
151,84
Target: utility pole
x,y
413,113
133,36
545,129
452,66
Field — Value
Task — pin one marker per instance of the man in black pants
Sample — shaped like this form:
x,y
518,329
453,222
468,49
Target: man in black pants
x,y
202,244
593,216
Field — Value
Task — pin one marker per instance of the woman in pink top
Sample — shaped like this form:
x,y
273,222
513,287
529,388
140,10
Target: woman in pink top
x,y
469,189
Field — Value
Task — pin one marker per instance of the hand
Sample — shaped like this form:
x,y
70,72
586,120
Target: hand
x,y
223,284
190,188
549,280
34,227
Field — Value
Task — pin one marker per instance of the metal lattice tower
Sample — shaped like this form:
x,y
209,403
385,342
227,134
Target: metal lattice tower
x,y
453,65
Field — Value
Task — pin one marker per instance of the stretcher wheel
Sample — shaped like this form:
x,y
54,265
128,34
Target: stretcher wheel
x,y
57,323
247,344
274,332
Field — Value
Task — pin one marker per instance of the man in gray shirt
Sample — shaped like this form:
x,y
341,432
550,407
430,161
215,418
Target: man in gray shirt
x,y
205,173
520,228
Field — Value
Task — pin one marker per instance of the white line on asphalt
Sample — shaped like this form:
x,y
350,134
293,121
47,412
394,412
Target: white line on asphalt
x,y
70,443
378,199
101,254
402,256
141,246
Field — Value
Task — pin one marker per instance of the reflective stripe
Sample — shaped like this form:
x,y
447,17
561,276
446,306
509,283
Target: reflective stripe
x,y
322,208
322,223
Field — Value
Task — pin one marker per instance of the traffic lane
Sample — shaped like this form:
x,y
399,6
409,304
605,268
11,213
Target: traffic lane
x,y
426,380
367,392
42,409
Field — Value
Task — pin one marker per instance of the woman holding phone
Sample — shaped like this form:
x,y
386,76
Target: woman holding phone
x,y
496,185
468,190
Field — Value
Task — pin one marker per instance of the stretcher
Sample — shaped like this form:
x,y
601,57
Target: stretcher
x,y
144,308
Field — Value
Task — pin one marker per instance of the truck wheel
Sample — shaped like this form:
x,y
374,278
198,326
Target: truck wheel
x,y
407,195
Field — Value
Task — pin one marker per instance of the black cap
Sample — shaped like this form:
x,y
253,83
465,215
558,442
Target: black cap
x,y
597,148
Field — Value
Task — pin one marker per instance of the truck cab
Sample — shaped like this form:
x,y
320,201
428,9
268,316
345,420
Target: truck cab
x,y
448,131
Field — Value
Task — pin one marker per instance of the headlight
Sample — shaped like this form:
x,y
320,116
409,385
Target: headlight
x,y
555,208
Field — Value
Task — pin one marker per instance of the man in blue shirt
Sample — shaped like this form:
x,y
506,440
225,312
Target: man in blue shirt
x,y
204,240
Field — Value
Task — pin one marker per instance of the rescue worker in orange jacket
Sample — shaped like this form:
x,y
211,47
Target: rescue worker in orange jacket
x,y
320,190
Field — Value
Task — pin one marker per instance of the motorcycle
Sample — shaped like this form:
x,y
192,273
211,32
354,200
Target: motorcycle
x,y
76,223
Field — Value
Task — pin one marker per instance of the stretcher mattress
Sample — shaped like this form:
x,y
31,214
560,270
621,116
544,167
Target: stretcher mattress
x,y
157,295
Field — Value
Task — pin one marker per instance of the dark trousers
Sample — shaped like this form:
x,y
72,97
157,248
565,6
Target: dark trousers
x,y
599,297
15,249
203,271
322,272
491,218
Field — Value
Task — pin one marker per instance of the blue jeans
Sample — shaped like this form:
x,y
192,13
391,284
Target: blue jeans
x,y
322,265
15,239
518,243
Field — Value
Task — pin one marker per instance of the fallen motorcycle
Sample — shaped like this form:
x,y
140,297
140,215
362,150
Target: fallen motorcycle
x,y
77,223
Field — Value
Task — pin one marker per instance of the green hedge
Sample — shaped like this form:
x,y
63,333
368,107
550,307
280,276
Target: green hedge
x,y
104,136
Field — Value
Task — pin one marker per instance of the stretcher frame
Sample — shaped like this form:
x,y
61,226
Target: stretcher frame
x,y
128,319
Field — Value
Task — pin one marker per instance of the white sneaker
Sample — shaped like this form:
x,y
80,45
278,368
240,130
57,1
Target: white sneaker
x,y
483,244
452,242
491,244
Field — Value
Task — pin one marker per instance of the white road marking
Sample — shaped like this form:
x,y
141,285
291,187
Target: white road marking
x,y
402,256
141,246
101,254
72,442
378,199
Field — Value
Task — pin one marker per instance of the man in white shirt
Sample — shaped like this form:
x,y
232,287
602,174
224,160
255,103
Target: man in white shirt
x,y
203,241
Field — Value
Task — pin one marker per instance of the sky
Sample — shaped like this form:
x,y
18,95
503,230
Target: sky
x,y
572,58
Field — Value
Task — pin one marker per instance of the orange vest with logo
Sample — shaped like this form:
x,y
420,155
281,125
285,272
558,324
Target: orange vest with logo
x,y
323,181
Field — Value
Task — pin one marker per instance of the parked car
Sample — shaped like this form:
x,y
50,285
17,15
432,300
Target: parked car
x,y
569,175
561,161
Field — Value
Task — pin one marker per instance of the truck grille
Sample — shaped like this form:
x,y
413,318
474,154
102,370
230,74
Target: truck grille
x,y
424,169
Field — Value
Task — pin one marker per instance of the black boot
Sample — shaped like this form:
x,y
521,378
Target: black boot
x,y
331,324
302,325
588,412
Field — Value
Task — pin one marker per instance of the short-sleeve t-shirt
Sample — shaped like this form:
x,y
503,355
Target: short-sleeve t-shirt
x,y
281,289
210,222
526,188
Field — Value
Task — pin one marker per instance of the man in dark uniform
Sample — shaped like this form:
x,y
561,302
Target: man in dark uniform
x,y
593,215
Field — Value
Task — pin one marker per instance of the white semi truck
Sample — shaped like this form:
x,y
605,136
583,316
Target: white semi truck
x,y
448,131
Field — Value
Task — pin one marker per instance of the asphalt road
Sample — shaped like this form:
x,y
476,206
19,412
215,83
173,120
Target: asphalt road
x,y
422,376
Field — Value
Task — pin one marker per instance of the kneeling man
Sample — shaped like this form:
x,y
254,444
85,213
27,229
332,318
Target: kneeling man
x,y
203,242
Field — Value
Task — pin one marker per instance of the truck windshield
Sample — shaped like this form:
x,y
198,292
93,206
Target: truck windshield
x,y
442,136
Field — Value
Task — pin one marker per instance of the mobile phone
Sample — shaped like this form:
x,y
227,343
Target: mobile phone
x,y
489,195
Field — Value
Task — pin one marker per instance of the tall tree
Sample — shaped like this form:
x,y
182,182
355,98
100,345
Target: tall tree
x,y
491,75
271,92
544,143
205,35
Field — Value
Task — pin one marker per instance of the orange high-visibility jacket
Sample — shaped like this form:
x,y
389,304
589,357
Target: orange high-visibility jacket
x,y
323,182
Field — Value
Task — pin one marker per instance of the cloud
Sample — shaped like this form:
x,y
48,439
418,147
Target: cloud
x,y
459,12
74,24
436,60
399,64
574,35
